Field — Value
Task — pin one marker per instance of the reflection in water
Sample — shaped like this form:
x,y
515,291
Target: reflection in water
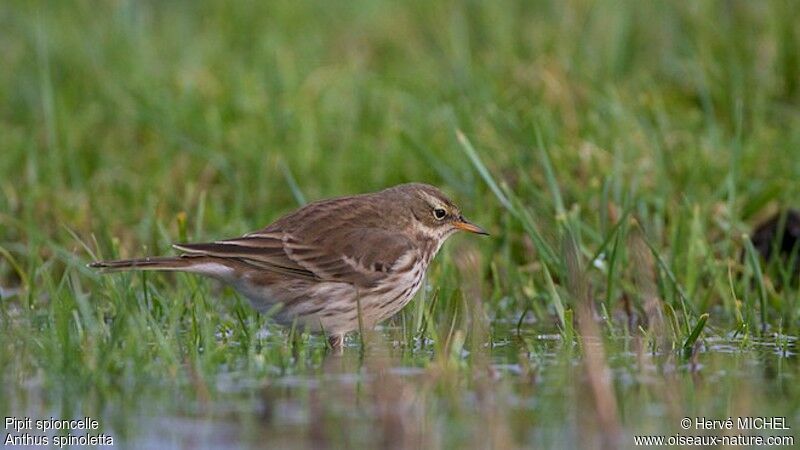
x,y
525,391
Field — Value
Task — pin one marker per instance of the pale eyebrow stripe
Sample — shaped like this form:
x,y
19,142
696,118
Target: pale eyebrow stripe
x,y
433,201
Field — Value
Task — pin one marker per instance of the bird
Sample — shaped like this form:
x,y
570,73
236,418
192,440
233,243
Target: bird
x,y
331,266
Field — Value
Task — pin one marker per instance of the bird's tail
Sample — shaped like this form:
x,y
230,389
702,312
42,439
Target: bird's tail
x,y
175,263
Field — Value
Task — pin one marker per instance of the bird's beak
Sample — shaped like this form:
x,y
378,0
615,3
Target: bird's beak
x,y
466,225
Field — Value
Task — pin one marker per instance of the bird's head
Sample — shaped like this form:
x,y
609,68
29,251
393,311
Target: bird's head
x,y
434,214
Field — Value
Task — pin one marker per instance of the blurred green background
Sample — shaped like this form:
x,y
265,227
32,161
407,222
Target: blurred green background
x,y
618,151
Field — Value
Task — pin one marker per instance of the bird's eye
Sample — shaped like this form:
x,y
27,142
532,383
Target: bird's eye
x,y
439,213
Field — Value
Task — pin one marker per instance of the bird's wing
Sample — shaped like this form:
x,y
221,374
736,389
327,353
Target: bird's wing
x,y
361,256
265,251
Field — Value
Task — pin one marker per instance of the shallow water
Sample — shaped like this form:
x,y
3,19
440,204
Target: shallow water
x,y
524,391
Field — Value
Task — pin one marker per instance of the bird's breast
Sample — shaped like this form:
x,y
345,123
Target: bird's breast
x,y
394,292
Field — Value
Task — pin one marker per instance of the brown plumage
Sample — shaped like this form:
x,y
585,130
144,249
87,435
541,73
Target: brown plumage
x,y
318,264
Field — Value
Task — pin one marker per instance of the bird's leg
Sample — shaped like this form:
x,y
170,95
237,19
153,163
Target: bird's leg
x,y
337,342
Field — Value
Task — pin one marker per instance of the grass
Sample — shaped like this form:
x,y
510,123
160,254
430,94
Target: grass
x,y
619,153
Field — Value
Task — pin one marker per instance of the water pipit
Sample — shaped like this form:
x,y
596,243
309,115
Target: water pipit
x,y
331,261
